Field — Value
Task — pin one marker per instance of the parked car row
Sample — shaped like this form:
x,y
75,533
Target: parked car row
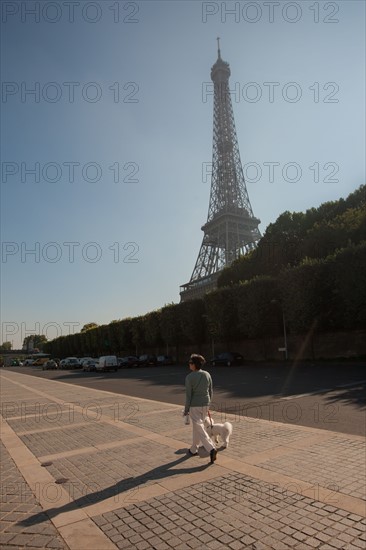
x,y
35,362
227,358
15,363
107,362
145,361
113,363
104,363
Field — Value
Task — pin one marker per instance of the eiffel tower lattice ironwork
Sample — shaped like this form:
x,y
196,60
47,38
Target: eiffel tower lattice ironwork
x,y
231,229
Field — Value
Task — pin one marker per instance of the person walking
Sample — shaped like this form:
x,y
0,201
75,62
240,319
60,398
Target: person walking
x,y
199,393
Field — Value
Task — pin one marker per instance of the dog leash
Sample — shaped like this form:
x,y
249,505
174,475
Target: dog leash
x,y
210,417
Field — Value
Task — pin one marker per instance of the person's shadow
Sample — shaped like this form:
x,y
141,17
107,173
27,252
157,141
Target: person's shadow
x,y
130,485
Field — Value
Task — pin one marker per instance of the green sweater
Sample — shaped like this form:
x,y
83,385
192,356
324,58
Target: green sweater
x,y
198,389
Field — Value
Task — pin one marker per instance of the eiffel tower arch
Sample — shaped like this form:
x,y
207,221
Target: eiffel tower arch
x,y
231,230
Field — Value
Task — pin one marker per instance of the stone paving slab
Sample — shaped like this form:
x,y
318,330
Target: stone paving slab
x,y
134,410
126,482
21,408
335,464
74,437
19,504
49,414
115,400
233,511
44,419
121,472
158,422
253,437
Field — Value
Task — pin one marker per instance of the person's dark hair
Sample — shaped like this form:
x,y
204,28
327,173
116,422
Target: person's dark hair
x,y
197,360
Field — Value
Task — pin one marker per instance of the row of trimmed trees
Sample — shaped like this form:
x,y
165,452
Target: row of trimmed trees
x,y
309,267
326,294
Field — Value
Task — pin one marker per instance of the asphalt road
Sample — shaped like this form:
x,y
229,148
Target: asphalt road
x,y
330,396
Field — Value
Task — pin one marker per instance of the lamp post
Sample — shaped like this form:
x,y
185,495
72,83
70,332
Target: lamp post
x,y
284,333
284,328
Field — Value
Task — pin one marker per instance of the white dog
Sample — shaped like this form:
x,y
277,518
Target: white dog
x,y
216,431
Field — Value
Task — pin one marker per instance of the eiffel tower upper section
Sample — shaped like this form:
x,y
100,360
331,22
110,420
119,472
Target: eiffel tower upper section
x,y
231,229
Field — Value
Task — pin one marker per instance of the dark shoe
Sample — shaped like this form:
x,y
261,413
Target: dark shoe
x,y
191,454
213,455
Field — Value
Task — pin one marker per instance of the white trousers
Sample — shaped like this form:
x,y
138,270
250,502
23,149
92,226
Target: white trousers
x,y
200,436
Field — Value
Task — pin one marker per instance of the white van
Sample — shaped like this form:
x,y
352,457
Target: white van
x,y
107,363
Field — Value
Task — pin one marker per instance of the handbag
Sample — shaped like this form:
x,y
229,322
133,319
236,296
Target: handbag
x,y
186,418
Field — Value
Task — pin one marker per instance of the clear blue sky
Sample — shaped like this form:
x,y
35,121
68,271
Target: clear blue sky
x,y
297,75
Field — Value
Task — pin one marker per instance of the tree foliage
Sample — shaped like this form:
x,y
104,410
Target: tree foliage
x,y
257,303
222,314
192,321
169,325
295,236
306,292
6,346
38,341
151,328
137,334
309,267
89,326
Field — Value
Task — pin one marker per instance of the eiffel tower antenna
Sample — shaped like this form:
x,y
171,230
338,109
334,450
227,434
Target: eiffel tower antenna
x,y
231,230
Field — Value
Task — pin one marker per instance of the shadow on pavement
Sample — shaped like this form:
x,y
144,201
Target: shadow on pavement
x,y
238,382
351,396
129,484
252,380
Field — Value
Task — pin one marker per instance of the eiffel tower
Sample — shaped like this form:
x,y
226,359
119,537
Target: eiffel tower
x,y
231,229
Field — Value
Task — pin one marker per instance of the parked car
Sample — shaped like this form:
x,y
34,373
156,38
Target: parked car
x,y
28,362
70,363
16,363
12,362
147,360
107,363
51,364
128,362
40,361
90,365
227,358
165,360
84,359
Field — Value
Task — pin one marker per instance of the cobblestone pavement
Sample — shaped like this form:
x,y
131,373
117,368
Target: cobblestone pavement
x,y
86,469
18,504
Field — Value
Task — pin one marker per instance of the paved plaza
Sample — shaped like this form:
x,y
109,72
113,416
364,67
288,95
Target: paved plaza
x,y
88,469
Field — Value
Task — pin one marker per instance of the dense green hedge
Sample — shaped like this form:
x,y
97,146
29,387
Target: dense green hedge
x,y
318,295
309,267
317,233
